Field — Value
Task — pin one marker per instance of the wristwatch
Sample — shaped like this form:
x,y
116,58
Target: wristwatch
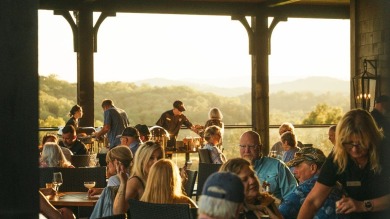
x,y
368,205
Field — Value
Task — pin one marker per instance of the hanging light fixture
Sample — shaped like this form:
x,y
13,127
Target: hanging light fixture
x,y
365,86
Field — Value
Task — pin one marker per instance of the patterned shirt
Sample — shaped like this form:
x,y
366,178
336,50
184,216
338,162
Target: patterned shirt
x,y
292,203
216,154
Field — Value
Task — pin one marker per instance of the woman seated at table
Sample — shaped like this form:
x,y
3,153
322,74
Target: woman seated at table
x,y
256,204
164,185
52,156
213,137
119,154
133,188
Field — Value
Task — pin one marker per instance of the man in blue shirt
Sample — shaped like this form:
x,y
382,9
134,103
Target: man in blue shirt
x,y
115,121
271,172
308,162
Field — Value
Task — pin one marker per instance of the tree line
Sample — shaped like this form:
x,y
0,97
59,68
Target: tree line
x,y
144,104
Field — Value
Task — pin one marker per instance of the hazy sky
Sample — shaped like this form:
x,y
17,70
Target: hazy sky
x,y
208,49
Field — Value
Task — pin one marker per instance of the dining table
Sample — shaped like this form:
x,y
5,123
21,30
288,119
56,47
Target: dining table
x,y
73,199
79,201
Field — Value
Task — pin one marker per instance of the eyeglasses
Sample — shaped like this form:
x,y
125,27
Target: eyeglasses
x,y
250,147
350,145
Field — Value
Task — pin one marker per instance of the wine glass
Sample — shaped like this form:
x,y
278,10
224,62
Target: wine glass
x,y
57,181
89,185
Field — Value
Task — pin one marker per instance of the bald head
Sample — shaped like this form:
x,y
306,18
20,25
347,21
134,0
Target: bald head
x,y
250,145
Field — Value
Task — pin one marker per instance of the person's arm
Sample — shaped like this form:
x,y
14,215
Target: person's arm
x,y
105,129
314,201
95,191
120,203
47,209
348,205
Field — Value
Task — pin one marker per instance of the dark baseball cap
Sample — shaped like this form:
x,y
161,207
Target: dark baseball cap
x,y
129,132
224,185
179,105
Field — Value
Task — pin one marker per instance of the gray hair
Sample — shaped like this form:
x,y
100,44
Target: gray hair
x,y
53,156
226,209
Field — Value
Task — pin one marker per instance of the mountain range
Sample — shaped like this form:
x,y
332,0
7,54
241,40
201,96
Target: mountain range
x,y
316,85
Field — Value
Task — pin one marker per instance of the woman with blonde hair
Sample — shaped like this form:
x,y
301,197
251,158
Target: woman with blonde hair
x,y
119,154
133,188
360,163
52,156
256,203
164,185
213,137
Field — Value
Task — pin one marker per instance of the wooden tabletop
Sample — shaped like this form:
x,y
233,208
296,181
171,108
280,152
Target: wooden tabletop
x,y
73,199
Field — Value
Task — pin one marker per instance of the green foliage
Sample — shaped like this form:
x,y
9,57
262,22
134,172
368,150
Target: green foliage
x,y
50,121
323,114
145,103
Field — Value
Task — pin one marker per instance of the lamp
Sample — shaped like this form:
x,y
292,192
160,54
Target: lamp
x,y
365,86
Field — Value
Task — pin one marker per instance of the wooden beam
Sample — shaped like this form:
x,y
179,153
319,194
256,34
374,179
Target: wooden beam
x,y
200,8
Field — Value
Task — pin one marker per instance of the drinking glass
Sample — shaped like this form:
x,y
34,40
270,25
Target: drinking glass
x,y
57,181
89,185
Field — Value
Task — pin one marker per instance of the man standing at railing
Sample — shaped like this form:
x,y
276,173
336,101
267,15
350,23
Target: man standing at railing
x,y
172,120
115,121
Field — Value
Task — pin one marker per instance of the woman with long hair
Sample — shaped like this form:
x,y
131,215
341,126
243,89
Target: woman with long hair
x,y
256,203
360,163
133,188
164,185
52,156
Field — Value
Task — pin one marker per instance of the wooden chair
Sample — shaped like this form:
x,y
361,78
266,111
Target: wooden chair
x,y
204,171
142,210
204,156
189,186
74,178
80,160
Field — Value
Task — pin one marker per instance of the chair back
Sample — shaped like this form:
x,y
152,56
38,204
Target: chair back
x,y
102,159
80,160
142,210
205,170
74,178
189,185
204,156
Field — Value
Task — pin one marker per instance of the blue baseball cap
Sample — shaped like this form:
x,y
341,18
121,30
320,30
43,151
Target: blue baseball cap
x,y
224,185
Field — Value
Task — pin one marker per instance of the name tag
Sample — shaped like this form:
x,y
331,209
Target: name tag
x,y
354,183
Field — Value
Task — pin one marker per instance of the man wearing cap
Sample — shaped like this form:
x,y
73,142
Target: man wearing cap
x,y
130,138
271,171
222,197
115,121
379,113
144,133
172,120
308,162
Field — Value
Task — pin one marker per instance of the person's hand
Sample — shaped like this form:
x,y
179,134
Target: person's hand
x,y
94,191
347,205
121,172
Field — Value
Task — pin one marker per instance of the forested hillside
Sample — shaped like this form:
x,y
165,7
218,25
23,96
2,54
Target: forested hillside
x,y
145,103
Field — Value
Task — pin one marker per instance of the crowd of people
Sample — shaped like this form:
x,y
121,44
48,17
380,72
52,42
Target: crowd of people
x,y
299,182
